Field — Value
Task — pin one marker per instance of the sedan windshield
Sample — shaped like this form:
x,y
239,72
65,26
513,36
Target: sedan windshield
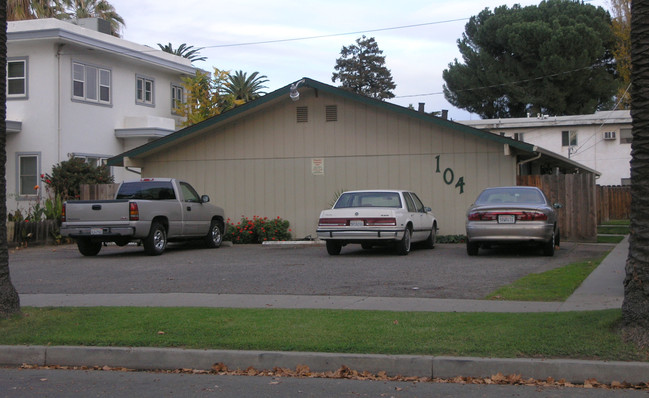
x,y
368,199
510,195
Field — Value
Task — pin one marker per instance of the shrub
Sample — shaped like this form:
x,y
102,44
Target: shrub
x,y
67,177
257,230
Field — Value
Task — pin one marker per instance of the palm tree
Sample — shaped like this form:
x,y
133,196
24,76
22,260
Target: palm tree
x,y
184,50
18,10
246,88
95,9
9,300
635,308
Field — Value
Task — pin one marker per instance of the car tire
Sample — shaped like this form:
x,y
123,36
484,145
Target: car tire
x,y
156,243
548,247
333,247
472,248
403,246
430,242
214,238
87,247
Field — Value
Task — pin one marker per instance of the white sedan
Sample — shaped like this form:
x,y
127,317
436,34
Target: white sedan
x,y
377,218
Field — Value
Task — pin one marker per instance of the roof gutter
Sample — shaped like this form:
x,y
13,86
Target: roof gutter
x,y
522,162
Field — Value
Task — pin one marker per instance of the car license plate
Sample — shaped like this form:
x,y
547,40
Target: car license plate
x,y
356,223
96,231
506,219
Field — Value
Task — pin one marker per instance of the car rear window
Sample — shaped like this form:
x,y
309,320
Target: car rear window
x,y
151,190
368,199
510,195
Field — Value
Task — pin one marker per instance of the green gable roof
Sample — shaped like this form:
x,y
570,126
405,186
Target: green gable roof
x,y
282,93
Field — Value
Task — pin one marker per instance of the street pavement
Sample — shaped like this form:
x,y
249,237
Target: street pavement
x,y
603,289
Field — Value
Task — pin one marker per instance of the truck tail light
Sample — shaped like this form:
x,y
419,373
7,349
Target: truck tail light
x,y
63,213
133,211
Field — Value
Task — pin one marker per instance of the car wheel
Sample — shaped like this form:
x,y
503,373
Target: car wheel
x,y
87,247
403,246
430,242
214,237
156,242
333,247
548,247
472,248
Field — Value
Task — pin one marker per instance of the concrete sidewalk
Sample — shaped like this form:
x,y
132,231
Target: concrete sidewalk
x,y
601,290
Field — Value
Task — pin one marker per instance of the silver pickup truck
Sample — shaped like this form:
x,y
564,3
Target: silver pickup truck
x,y
153,211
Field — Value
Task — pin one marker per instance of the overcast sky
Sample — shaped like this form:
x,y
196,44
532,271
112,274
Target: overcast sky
x,y
415,55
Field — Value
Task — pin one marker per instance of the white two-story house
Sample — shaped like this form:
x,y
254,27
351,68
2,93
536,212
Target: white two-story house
x,y
601,141
75,91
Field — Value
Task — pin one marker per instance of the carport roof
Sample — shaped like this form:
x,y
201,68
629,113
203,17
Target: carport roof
x,y
282,94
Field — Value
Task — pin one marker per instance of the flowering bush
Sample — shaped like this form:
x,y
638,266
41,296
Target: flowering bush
x,y
257,230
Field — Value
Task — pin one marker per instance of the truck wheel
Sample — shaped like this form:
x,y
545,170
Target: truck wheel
x,y
214,238
403,246
333,247
87,247
156,242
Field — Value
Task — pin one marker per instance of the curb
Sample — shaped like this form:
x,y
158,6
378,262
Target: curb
x,y
144,358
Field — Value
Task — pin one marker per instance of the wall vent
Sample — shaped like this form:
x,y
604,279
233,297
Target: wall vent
x,y
331,113
302,113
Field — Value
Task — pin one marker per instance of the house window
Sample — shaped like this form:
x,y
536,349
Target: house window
x,y
625,136
331,113
17,78
143,90
90,83
568,138
27,174
93,160
177,97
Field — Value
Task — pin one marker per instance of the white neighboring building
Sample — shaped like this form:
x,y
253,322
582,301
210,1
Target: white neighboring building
x,y
601,141
74,91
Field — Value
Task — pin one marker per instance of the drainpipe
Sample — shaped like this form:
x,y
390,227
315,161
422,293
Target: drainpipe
x,y
58,103
522,162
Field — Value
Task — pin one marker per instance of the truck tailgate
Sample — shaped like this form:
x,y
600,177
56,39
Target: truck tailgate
x,y
96,211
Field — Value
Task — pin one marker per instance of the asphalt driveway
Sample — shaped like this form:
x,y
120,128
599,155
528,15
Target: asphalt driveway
x,y
444,272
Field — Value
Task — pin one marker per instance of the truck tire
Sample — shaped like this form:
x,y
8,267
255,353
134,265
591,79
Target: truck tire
x,y
156,242
403,246
214,237
87,247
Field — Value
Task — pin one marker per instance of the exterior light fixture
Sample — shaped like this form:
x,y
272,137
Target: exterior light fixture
x,y
294,94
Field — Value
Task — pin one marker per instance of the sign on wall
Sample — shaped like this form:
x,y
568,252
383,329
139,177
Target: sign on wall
x,y
317,166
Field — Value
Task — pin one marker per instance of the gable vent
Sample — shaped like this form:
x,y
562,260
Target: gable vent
x,y
331,113
302,113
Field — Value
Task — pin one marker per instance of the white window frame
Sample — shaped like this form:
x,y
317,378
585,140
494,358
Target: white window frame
x,y
29,191
177,95
144,90
94,83
24,61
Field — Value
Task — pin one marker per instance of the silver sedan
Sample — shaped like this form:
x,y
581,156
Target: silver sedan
x,y
518,215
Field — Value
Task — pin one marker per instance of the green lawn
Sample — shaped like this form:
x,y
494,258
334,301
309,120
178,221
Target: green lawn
x,y
554,285
586,335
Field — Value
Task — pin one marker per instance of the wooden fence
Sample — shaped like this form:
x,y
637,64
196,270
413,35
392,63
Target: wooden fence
x,y
576,193
613,203
98,192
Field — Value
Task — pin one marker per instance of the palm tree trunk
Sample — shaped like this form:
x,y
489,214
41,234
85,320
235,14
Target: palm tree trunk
x,y
635,308
9,300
